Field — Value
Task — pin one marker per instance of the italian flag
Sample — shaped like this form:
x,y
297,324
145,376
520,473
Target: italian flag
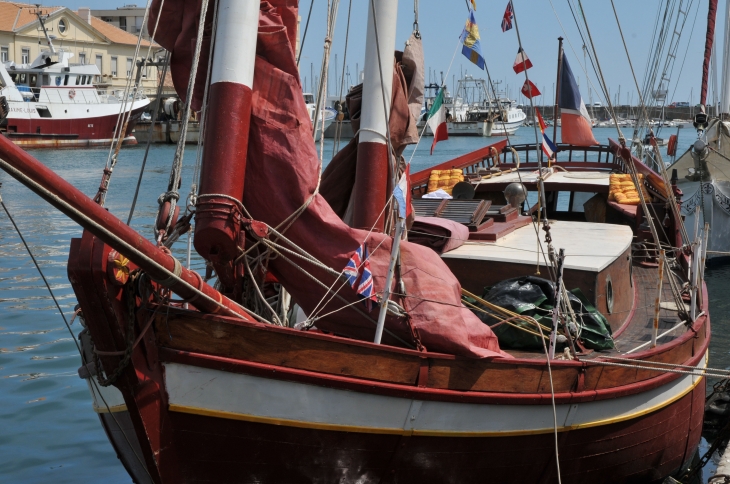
x,y
437,120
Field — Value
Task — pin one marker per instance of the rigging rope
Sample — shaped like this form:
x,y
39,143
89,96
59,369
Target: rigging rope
x,y
172,195
124,116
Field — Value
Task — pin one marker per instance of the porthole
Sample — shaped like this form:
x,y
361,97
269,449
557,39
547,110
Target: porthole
x,y
609,294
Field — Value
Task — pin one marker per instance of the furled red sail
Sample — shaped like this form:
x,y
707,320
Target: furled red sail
x,y
281,175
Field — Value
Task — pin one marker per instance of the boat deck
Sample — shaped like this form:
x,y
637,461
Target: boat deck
x,y
635,335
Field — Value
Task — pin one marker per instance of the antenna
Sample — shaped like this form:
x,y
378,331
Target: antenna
x,y
42,17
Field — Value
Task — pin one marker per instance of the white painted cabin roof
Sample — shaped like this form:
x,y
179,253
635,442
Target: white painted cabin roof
x,y
589,247
595,178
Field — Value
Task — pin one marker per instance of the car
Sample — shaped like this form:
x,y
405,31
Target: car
x,y
597,105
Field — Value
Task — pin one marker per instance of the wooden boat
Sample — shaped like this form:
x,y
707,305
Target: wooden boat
x,y
206,390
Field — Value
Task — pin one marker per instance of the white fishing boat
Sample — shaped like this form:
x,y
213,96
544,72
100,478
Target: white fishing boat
x,y
327,115
52,102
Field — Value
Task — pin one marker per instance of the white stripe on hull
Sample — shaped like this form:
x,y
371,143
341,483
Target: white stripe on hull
x,y
244,397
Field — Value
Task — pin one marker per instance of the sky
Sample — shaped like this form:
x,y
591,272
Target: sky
x,y
441,23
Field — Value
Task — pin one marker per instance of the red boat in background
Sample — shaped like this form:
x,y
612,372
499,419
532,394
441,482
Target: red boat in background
x,y
409,382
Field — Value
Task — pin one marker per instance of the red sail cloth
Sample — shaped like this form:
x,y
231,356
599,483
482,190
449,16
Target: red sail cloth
x,y
178,29
281,174
709,39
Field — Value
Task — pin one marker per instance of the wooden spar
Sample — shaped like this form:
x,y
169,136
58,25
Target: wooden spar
x,y
399,228
703,260
694,289
557,90
219,214
373,172
658,301
160,266
556,306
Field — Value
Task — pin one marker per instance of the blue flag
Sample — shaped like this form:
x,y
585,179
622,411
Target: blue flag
x,y
472,49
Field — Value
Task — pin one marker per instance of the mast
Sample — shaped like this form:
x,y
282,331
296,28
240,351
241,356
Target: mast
x,y
725,76
557,90
371,181
218,214
709,39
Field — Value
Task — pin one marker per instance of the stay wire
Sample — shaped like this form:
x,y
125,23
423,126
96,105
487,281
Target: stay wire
x,y
68,327
304,36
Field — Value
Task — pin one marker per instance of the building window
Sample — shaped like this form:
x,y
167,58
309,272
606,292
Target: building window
x,y
4,54
129,67
98,62
25,56
62,27
123,23
114,67
82,58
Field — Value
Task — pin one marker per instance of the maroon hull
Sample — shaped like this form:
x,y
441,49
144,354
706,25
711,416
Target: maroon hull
x,y
641,450
55,133
219,450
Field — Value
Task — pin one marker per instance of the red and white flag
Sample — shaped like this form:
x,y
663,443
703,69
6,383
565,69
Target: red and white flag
x,y
437,120
522,62
529,90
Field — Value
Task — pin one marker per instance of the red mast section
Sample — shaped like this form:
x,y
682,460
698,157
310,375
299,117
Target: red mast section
x,y
709,39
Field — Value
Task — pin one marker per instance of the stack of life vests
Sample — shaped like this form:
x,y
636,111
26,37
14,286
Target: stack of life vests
x,y
621,189
444,180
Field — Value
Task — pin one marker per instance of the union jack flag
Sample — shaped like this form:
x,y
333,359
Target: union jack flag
x,y
358,274
507,19
366,289
352,269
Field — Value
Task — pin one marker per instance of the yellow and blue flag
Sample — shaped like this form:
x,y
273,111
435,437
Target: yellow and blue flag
x,y
472,49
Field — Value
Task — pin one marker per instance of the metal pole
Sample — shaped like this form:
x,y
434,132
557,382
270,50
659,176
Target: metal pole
x,y
556,306
400,226
658,301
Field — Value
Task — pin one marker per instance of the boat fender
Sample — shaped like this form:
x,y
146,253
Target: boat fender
x,y
672,145
72,94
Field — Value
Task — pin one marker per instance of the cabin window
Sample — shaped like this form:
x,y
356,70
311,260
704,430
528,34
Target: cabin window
x,y
114,67
33,80
76,80
580,198
4,54
83,80
25,56
62,27
65,80
82,58
43,112
609,294
23,79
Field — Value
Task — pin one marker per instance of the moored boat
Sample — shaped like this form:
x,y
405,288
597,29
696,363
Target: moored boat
x,y
220,385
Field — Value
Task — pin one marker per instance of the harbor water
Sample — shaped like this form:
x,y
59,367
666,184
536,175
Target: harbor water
x,y
48,430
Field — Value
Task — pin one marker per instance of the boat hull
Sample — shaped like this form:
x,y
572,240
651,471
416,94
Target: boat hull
x,y
77,132
216,442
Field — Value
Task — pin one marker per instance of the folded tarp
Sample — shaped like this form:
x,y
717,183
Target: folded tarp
x,y
439,234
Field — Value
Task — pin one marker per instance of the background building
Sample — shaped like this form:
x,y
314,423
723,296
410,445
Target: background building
x,y
88,37
128,18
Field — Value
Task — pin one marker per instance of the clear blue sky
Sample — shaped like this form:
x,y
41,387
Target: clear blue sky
x,y
441,22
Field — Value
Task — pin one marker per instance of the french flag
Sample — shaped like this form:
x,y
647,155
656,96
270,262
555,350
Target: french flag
x,y
547,145
575,123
